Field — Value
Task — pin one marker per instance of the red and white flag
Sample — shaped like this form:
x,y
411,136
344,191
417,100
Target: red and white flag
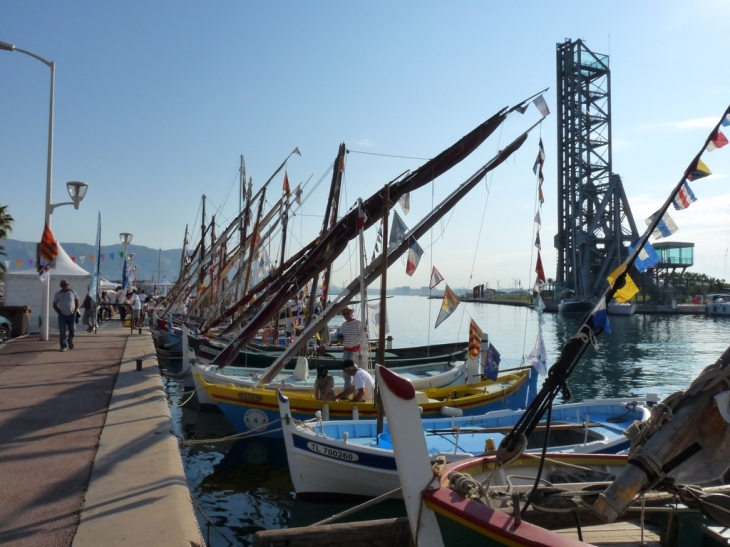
x,y
542,106
436,278
414,257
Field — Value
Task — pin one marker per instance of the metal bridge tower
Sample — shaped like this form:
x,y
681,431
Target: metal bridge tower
x,y
595,223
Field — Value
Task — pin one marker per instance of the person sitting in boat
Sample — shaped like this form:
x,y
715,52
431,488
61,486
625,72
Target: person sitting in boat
x,y
363,385
324,385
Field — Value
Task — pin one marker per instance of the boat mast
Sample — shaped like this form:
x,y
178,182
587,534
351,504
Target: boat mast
x,y
330,219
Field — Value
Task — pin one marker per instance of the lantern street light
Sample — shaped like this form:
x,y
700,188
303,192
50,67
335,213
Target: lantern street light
x,y
77,190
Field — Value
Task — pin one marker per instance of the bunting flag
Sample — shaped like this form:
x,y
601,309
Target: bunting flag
x,y
405,202
378,241
448,306
537,241
684,198
19,263
7,264
298,194
475,340
414,256
627,289
540,161
726,120
397,230
539,306
286,188
297,152
491,364
264,263
374,317
522,108
646,258
540,195
539,269
82,258
665,228
717,140
542,106
698,171
600,318
538,356
436,278
73,258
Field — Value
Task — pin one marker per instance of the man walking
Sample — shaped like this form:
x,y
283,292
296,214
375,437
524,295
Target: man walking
x,y
65,302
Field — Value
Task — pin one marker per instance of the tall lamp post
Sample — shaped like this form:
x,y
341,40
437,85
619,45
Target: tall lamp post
x,y
77,190
126,239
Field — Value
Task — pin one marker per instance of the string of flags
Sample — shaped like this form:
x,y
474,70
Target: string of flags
x,y
647,256
21,263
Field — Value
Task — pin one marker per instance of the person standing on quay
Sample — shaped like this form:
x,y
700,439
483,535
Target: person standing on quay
x,y
65,302
351,339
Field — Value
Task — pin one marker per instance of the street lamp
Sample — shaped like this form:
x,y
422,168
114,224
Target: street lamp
x,y
78,188
126,239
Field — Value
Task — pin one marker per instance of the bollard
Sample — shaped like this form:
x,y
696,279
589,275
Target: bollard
x,y
139,364
139,331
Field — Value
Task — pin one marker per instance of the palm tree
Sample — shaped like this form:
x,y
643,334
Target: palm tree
x,y
5,222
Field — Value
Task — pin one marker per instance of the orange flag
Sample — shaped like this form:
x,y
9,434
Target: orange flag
x,y
49,247
287,190
475,340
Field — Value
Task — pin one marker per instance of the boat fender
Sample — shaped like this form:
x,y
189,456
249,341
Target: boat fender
x,y
326,412
451,411
267,337
355,413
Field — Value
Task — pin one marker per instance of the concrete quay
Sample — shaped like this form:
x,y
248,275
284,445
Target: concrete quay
x,y
88,455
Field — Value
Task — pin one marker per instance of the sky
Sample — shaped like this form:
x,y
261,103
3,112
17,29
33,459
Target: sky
x,y
156,102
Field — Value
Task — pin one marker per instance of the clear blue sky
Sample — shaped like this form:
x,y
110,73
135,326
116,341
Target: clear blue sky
x,y
156,101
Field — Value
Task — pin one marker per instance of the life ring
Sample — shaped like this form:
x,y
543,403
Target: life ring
x,y
267,337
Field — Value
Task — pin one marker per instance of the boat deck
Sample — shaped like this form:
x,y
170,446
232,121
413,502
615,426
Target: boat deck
x,y
617,534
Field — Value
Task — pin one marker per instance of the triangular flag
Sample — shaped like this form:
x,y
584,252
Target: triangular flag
x,y
542,106
539,306
405,202
537,241
646,258
475,340
684,198
538,356
537,219
414,256
286,188
717,140
436,278
539,269
726,120
19,263
627,290
698,171
537,167
448,305
540,195
522,109
665,228
397,230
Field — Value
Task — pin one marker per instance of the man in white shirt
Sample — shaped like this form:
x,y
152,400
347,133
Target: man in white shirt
x,y
136,304
65,303
363,385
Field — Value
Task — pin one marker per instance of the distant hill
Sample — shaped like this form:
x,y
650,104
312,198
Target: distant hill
x,y
111,268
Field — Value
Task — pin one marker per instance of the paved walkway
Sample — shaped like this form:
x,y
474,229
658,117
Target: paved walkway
x,y
87,451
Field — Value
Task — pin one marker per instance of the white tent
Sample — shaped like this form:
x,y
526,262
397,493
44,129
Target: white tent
x,y
24,288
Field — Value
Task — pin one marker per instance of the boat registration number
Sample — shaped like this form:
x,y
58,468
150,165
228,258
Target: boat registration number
x,y
332,452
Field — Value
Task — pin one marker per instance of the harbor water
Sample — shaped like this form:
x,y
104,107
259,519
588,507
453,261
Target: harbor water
x,y
241,487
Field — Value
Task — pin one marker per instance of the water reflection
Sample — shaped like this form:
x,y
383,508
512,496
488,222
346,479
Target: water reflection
x,y
244,486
